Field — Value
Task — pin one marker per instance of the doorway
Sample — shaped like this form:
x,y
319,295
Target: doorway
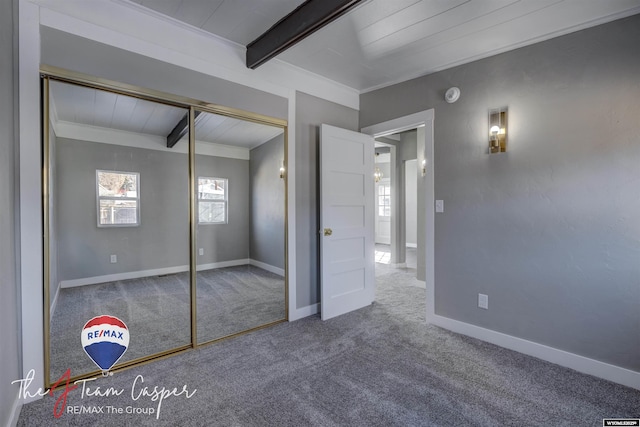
x,y
396,198
422,124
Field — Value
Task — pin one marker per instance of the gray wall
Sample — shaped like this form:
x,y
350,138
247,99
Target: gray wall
x,y
549,230
407,153
162,238
311,112
267,219
71,52
407,149
226,242
9,313
411,202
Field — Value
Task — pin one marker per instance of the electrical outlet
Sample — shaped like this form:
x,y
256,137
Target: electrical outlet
x,y
114,259
483,301
439,205
201,251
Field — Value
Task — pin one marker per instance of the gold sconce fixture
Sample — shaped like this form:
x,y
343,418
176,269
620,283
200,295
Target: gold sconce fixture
x,y
282,170
377,175
498,130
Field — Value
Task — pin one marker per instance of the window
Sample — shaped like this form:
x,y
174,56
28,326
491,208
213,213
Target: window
x,y
118,198
384,200
212,200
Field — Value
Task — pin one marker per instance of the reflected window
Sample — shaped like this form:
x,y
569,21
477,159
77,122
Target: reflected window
x,y
118,198
384,200
212,200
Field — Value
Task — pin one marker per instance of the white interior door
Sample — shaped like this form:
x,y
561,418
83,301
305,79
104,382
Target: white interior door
x,y
346,221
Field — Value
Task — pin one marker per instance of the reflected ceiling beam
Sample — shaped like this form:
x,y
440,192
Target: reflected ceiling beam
x,y
309,17
181,129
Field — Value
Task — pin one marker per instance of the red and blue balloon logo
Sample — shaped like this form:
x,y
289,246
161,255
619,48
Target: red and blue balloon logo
x,y
105,339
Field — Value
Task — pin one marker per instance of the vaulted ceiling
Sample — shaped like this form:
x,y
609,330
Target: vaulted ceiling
x,y
378,43
382,42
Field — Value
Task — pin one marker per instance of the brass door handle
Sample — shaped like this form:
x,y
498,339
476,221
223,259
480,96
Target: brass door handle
x,y
328,232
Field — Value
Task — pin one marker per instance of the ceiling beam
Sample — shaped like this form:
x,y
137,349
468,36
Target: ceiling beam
x,y
309,17
180,130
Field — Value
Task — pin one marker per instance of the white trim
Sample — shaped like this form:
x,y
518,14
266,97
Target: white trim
x,y
400,124
30,237
147,273
303,312
221,264
412,245
102,135
290,175
271,268
559,357
399,265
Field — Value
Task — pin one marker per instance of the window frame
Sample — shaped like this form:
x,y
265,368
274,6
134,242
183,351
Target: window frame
x,y
224,201
99,198
385,196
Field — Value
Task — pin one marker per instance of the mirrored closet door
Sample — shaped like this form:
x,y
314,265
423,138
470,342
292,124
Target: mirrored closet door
x,y
118,224
168,218
239,172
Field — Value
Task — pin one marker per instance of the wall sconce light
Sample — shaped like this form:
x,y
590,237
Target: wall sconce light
x,y
498,130
424,167
282,170
377,175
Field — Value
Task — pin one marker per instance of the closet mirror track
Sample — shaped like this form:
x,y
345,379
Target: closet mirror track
x,y
166,213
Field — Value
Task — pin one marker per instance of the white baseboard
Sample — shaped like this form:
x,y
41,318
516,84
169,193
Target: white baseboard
x,y
399,265
15,412
307,311
147,273
122,276
573,361
276,270
412,245
222,264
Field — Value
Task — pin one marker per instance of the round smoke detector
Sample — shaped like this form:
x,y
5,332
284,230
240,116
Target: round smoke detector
x,y
452,95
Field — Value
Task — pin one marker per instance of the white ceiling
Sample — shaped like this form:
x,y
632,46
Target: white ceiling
x,y
382,42
379,43
98,108
240,21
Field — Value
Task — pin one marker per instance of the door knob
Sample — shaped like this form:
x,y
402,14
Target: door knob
x,y
328,232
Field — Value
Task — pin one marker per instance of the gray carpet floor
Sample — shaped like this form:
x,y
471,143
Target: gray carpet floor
x,y
156,311
377,366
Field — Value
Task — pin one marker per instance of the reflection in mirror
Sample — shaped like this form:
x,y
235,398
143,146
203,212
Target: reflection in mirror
x,y
119,224
240,217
